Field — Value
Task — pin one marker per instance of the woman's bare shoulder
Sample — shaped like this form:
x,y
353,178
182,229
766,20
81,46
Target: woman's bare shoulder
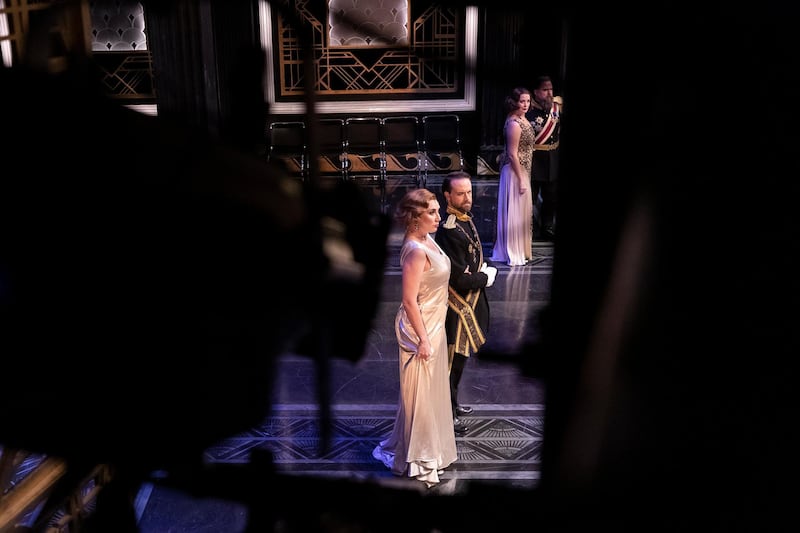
x,y
513,122
411,250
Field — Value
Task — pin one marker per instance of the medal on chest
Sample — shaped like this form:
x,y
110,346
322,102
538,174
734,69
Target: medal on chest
x,y
471,233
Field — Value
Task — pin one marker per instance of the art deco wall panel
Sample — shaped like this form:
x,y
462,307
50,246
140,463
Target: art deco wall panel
x,y
370,56
358,53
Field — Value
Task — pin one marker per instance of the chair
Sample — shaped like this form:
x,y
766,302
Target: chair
x,y
328,136
288,146
365,156
364,147
441,144
401,140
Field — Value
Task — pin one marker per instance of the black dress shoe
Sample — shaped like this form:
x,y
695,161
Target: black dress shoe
x,y
459,427
462,410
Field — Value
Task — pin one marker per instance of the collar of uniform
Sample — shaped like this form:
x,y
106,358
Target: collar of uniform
x,y
460,215
540,107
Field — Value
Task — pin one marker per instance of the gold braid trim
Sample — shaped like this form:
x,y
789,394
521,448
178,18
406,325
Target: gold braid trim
x,y
460,215
469,335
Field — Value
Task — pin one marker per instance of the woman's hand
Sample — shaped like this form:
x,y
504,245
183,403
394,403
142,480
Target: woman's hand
x,y
424,350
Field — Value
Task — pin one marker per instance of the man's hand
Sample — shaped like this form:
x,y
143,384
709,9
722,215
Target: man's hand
x,y
491,273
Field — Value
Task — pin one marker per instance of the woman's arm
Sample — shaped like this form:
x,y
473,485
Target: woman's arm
x,y
414,265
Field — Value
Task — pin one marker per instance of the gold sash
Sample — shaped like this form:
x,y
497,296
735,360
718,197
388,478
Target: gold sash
x,y
469,335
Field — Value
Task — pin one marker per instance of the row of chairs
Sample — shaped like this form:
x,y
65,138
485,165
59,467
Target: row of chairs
x,y
373,148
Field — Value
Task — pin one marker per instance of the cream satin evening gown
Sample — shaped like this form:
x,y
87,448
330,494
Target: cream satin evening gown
x,y
423,442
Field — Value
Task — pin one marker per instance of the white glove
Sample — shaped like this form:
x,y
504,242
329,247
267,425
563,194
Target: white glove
x,y
491,273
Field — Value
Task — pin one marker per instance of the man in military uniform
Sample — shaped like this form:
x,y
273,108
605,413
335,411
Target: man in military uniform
x,y
545,117
468,308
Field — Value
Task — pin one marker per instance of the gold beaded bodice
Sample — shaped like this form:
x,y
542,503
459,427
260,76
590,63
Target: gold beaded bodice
x,y
525,148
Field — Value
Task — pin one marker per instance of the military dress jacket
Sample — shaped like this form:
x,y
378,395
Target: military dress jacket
x,y
460,241
547,131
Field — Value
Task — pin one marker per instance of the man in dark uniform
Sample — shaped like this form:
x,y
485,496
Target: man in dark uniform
x,y
468,309
545,117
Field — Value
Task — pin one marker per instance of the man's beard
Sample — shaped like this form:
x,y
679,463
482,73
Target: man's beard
x,y
546,103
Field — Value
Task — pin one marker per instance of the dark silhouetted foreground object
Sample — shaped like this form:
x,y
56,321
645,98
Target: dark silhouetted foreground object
x,y
149,276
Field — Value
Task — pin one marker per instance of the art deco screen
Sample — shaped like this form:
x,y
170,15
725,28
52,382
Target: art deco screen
x,y
368,49
368,23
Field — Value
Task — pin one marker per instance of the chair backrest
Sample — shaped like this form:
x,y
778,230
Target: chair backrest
x,y
401,133
441,132
288,146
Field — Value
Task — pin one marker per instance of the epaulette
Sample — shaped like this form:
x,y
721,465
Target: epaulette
x,y
450,223
558,100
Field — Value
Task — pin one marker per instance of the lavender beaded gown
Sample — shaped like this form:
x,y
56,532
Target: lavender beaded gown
x,y
513,245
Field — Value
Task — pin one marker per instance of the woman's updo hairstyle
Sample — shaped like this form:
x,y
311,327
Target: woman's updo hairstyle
x,y
512,100
412,205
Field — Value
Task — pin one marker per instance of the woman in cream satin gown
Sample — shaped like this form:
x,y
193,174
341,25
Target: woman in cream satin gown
x,y
422,442
514,241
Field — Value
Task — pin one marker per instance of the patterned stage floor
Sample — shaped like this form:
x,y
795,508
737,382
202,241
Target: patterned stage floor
x,y
503,445
500,453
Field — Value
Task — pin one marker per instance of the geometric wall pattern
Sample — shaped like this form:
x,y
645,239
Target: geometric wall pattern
x,y
429,64
117,25
119,50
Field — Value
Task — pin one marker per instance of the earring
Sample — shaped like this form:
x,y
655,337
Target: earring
x,y
416,226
